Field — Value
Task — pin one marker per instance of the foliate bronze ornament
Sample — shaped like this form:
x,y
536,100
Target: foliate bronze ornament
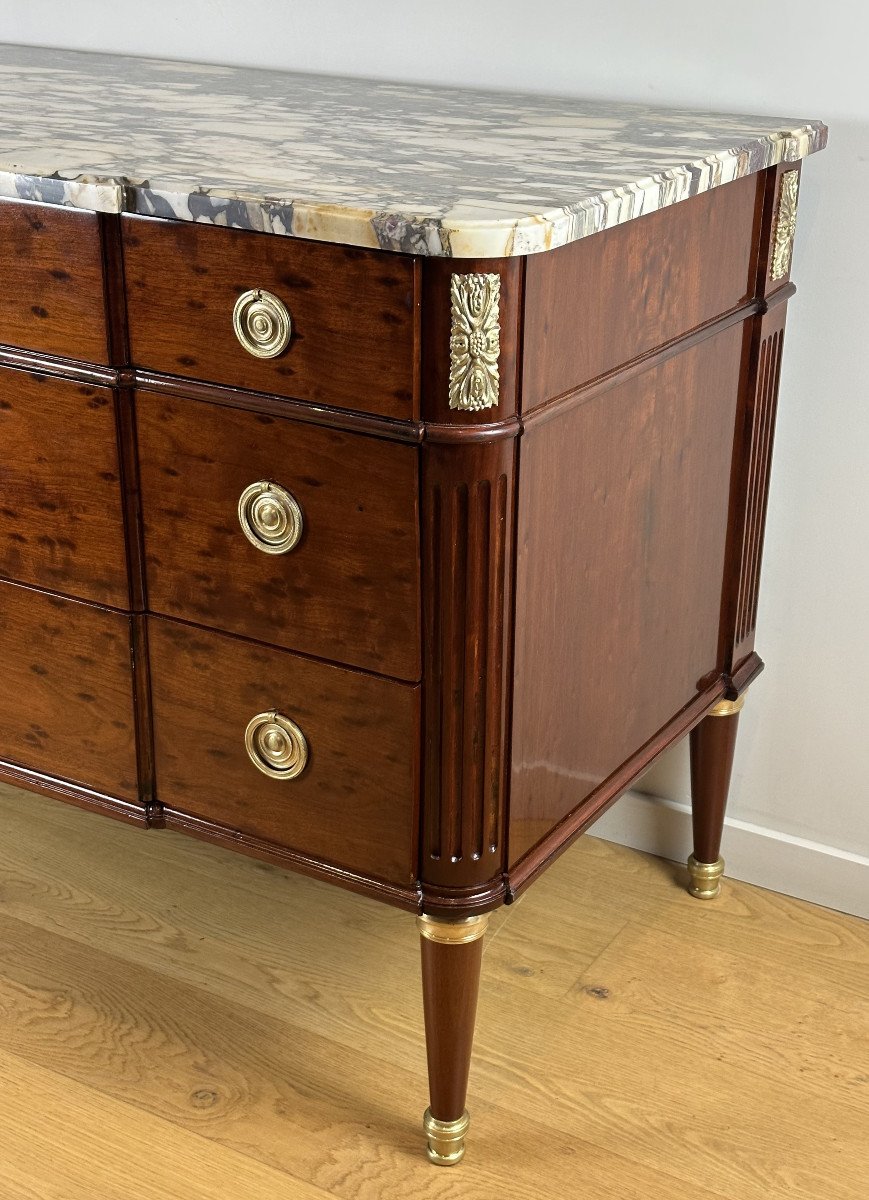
x,y
262,323
785,224
475,341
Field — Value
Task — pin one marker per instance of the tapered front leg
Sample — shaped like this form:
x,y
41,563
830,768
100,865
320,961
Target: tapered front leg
x,y
451,957
713,742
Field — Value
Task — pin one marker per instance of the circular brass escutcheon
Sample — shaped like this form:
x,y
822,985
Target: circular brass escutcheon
x,y
270,517
276,745
262,323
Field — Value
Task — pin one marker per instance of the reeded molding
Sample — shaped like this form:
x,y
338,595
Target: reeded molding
x,y
760,445
467,546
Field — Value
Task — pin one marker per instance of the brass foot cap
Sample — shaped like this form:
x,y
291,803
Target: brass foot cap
x,y
446,1139
705,878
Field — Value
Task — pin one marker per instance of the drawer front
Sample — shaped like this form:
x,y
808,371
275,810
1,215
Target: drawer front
x,y
351,312
66,701
348,590
354,803
52,297
61,523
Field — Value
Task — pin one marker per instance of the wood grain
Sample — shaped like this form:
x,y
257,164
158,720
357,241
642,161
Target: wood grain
x,y
348,592
602,301
353,313
56,304
66,704
622,523
713,743
354,805
270,1017
34,1168
61,523
450,987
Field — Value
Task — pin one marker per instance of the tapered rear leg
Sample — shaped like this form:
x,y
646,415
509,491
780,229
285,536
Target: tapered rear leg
x,y
713,742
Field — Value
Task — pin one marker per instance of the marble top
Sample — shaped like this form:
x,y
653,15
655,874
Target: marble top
x,y
425,170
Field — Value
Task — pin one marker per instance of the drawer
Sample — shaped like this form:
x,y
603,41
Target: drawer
x,y
61,523
354,803
52,297
351,313
66,704
348,590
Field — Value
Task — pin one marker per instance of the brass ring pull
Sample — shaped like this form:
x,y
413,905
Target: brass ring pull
x,y
270,517
262,323
276,745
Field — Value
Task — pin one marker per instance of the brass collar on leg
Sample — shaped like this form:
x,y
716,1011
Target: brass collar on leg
x,y
726,708
452,933
446,1139
705,878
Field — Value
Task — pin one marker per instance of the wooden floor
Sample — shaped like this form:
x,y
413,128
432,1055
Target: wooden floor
x,y
178,1021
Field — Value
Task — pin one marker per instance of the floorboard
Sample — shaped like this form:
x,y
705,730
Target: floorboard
x,y
179,1021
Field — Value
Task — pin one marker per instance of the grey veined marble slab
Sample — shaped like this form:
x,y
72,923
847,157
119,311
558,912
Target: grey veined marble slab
x,y
426,170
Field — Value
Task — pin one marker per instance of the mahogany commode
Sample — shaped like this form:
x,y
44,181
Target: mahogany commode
x,y
388,538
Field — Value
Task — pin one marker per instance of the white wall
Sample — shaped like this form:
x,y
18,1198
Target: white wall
x,y
804,746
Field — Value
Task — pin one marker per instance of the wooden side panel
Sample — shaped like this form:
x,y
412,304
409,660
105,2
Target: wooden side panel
x,y
61,524
66,704
52,296
600,302
356,802
623,511
348,592
353,313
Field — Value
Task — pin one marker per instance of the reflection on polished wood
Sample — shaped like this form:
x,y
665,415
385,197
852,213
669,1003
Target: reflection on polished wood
x,y
55,305
61,523
352,313
200,568
617,613
259,1028
400,587
353,801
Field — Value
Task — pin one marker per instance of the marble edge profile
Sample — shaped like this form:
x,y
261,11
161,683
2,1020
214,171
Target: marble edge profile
x,y
445,236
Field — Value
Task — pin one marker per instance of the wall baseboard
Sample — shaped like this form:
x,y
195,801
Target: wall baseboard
x,y
776,861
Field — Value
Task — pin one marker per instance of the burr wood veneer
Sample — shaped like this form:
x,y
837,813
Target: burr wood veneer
x,y
396,570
